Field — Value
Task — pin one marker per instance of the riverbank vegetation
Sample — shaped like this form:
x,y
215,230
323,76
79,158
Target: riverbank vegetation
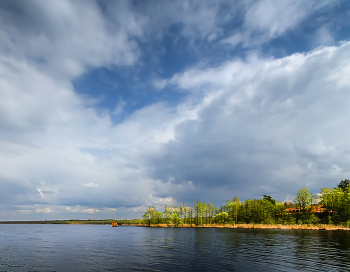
x,y
324,210
254,226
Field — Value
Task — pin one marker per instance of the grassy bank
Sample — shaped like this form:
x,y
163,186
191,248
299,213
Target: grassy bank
x,y
255,226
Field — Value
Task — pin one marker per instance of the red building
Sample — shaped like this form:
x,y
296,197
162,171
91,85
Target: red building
x,y
308,209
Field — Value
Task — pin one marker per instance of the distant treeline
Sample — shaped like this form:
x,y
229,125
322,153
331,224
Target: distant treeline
x,y
330,206
75,221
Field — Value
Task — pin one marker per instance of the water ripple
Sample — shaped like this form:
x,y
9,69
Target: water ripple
x,y
103,248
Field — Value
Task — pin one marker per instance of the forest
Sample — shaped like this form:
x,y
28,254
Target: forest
x,y
330,206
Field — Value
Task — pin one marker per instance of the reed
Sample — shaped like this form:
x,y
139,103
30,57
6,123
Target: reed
x,y
254,226
295,227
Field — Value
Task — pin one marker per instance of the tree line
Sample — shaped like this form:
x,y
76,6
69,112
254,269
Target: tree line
x,y
330,206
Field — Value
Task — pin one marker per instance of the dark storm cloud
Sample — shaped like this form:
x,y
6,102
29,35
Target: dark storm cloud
x,y
12,193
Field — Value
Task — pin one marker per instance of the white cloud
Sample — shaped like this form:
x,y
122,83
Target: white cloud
x,y
268,19
266,126
90,184
275,17
64,38
324,36
236,39
197,79
79,209
44,210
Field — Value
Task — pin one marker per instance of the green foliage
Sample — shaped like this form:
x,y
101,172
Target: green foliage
x,y
343,184
232,207
347,224
149,216
337,204
335,209
285,218
269,198
313,219
158,217
221,218
303,198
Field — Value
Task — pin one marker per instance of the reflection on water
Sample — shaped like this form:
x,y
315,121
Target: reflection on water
x,y
103,248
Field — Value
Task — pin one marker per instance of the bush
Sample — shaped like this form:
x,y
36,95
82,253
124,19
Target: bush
x,y
347,224
313,219
330,220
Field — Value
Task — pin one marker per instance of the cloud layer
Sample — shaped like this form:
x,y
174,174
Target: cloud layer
x,y
266,126
245,122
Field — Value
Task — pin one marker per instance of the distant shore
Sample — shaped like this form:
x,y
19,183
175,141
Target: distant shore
x,y
70,222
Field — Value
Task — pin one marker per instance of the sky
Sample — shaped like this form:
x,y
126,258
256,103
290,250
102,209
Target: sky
x,y
108,107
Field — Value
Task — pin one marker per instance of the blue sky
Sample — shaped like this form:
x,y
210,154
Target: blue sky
x,y
107,107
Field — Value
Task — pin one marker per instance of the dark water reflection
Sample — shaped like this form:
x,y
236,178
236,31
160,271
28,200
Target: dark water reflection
x,y
103,248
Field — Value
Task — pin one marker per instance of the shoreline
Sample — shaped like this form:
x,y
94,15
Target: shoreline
x,y
252,226
222,226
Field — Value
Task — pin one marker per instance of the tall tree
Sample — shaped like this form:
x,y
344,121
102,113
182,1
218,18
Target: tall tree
x,y
336,202
185,212
149,216
327,200
158,217
343,184
269,198
303,198
210,212
237,205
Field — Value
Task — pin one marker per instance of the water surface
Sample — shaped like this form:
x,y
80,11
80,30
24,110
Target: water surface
x,y
103,248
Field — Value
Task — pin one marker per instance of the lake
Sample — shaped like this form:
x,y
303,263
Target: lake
x,y
103,248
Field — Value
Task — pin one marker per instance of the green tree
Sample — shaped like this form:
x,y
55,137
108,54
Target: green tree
x,y
336,202
269,198
158,217
204,213
268,211
176,219
201,212
222,217
303,198
327,200
343,184
237,205
210,212
232,207
190,214
168,215
149,216
185,212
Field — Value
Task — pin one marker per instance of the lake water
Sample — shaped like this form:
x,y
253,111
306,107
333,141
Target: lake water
x,y
103,248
